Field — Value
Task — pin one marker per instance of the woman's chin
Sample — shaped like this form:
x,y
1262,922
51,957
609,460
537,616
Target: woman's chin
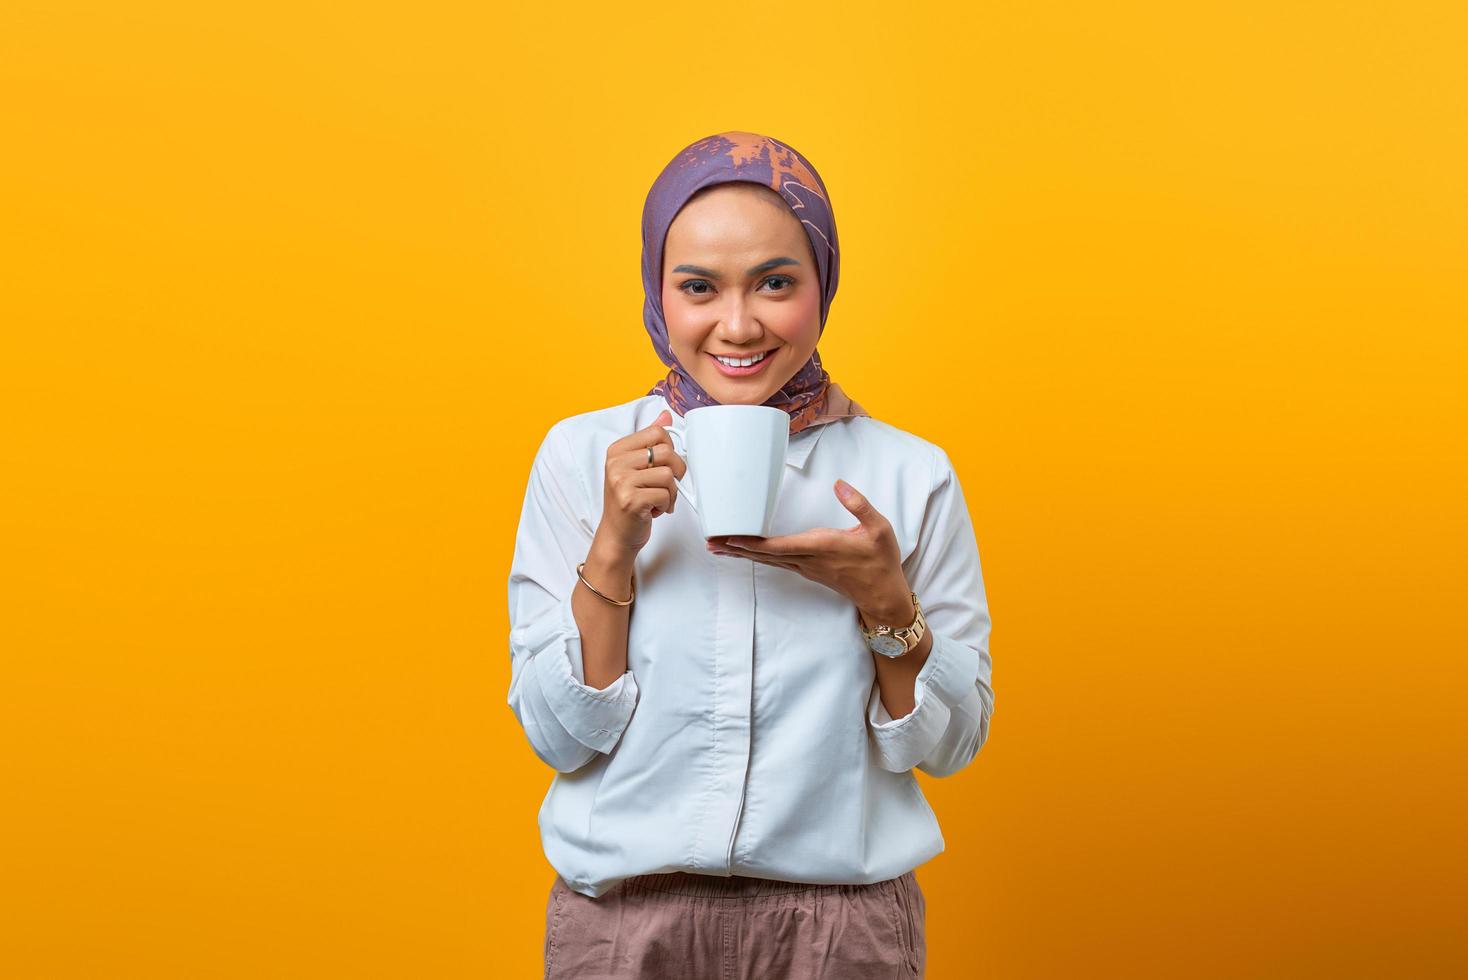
x,y
727,392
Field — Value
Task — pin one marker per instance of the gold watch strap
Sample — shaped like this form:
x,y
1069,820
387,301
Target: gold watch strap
x,y
911,634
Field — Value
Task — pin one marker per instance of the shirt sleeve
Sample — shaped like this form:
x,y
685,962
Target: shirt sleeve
x,y
952,696
566,720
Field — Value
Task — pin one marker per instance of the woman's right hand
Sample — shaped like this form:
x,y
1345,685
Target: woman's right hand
x,y
634,494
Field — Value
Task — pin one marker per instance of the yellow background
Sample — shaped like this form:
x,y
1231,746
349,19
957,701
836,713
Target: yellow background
x,y
291,292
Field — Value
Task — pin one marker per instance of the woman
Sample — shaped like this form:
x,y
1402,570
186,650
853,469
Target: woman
x,y
734,745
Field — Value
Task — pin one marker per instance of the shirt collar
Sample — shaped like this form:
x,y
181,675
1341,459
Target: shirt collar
x,y
801,444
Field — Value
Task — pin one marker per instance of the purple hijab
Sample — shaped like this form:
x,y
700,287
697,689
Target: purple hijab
x,y
810,396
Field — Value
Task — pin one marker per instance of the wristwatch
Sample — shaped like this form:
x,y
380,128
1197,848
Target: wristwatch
x,y
894,641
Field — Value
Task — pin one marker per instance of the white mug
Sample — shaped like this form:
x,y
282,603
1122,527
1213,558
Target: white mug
x,y
736,466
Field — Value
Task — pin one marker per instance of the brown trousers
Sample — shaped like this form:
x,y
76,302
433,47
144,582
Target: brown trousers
x,y
703,927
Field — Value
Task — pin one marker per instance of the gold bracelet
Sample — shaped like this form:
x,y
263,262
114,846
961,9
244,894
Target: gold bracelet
x,y
615,602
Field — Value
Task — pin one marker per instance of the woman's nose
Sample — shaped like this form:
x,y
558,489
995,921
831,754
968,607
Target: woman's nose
x,y
739,326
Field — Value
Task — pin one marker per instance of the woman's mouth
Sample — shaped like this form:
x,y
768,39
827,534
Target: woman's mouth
x,y
740,367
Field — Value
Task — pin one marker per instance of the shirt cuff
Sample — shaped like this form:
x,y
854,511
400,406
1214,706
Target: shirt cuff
x,y
595,717
946,677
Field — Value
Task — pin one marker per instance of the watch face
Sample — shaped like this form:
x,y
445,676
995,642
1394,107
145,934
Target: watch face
x,y
887,646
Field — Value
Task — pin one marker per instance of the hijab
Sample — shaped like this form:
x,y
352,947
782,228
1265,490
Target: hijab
x,y
810,397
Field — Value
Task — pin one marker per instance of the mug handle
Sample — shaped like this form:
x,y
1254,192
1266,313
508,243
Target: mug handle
x,y
684,489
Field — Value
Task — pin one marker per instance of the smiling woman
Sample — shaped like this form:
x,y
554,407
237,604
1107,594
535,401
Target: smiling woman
x,y
740,257
743,312
734,722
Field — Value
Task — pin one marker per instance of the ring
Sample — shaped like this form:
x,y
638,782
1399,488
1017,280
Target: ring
x,y
649,455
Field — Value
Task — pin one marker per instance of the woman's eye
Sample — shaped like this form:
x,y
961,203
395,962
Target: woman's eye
x,y
702,287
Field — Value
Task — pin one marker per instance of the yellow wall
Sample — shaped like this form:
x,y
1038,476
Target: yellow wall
x,y
291,291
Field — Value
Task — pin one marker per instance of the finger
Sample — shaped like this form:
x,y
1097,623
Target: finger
x,y
779,564
664,450
663,454
762,559
664,419
653,501
645,437
632,478
788,566
853,500
762,556
755,547
656,478
663,457
806,544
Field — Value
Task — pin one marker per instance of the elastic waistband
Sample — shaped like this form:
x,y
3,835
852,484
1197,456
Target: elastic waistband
x,y
736,886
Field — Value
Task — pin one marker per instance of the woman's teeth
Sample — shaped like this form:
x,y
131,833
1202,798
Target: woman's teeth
x,y
740,362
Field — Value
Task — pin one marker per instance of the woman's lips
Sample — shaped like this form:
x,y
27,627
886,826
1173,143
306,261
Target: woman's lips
x,y
742,372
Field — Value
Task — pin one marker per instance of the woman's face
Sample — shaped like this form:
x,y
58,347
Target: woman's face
x,y
740,279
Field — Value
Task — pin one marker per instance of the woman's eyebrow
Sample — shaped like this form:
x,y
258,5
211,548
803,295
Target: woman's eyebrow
x,y
764,266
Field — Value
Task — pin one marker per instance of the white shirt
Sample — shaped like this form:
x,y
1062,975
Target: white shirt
x,y
747,735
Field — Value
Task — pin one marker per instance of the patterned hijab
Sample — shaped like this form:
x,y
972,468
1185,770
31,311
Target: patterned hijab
x,y
810,397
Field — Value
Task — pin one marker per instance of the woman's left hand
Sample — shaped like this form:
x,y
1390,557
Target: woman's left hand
x,y
863,563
